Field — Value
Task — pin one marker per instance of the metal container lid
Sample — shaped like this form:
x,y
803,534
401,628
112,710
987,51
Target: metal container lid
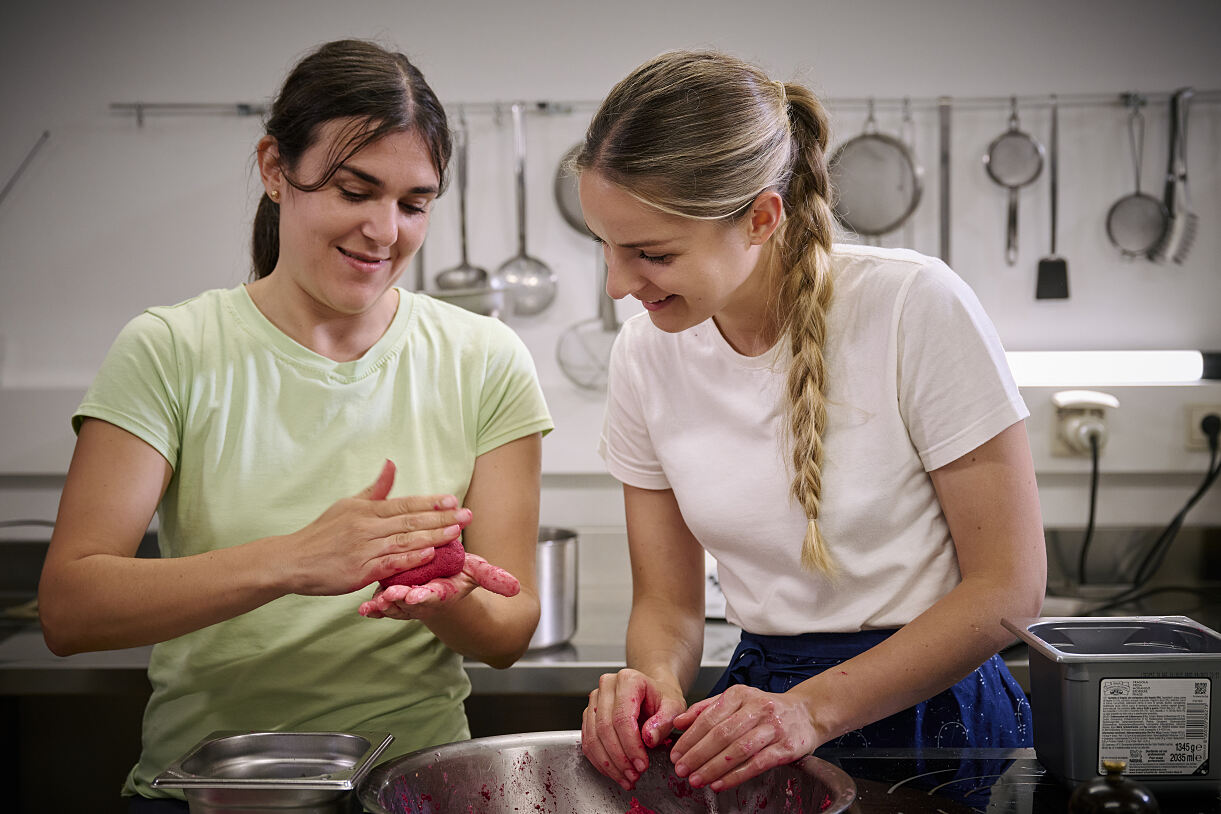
x,y
1067,639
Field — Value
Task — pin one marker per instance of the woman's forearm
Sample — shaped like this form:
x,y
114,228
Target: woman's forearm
x,y
108,601
928,655
486,626
666,642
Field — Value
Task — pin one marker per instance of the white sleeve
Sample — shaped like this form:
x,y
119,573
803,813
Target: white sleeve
x,y
625,443
955,387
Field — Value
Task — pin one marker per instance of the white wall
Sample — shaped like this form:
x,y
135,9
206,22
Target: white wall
x,y
111,216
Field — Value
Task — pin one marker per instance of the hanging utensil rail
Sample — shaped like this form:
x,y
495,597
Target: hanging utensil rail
x,y
1029,101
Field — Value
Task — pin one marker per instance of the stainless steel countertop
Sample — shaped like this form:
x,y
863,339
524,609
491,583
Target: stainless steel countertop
x,y
27,667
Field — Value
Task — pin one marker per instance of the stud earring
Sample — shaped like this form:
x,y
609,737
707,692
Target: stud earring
x,y
274,194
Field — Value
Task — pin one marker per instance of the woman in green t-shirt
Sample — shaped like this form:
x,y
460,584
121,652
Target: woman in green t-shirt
x,y
301,438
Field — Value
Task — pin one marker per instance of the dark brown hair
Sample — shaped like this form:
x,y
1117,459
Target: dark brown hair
x,y
380,91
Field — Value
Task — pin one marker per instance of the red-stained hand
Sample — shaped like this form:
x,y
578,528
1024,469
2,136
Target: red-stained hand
x,y
739,734
612,737
423,601
367,537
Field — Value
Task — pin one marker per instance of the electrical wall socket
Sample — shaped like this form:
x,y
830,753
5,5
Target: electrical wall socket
x,y
1196,439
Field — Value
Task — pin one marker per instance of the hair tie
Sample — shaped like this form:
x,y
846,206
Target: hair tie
x,y
784,94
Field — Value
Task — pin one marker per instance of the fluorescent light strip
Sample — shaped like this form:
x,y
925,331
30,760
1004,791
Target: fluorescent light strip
x,y
1105,367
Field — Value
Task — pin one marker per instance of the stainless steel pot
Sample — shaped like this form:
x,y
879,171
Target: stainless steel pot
x,y
546,771
557,587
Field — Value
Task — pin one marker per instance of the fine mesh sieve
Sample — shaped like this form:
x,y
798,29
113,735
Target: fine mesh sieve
x,y
877,181
1014,159
1137,222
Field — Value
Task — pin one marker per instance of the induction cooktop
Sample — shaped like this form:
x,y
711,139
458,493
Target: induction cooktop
x,y
951,781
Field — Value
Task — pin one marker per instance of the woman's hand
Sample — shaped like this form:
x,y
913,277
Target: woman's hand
x,y
424,601
368,537
612,736
739,734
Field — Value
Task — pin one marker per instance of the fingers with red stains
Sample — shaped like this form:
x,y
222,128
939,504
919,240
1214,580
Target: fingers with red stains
x,y
491,577
591,745
612,736
739,734
406,602
364,538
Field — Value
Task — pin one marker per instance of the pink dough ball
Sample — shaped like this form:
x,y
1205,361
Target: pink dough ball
x,y
447,562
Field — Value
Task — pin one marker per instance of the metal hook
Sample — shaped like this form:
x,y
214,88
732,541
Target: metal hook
x,y
871,123
909,124
1132,100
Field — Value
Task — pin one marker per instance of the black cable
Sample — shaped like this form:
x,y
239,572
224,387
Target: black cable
x,y
1089,526
1206,591
1211,426
1157,553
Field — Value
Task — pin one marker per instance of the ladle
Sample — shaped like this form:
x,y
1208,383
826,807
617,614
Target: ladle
x,y
528,281
583,350
463,275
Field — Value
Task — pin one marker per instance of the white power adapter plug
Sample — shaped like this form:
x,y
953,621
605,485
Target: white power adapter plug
x,y
1080,415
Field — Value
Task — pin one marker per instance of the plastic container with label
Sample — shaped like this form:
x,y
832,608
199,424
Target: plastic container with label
x,y
1137,689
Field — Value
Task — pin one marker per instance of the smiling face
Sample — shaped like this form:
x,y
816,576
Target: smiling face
x,y
344,245
684,270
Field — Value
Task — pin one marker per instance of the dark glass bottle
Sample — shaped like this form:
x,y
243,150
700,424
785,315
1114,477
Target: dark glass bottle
x,y
1112,793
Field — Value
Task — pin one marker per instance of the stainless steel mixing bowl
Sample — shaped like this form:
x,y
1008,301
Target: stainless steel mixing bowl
x,y
546,772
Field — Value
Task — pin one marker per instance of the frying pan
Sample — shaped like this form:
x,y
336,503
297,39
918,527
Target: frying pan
x,y
567,193
1014,159
877,181
583,350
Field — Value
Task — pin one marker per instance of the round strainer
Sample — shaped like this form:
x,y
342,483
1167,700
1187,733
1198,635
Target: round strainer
x,y
1014,159
876,181
1137,222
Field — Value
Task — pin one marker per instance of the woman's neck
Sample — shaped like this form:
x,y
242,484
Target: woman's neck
x,y
337,336
750,324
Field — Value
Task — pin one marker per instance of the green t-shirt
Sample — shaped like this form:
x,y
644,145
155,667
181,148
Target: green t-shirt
x,y
263,435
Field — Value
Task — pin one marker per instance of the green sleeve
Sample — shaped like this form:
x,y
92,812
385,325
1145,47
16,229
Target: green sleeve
x,y
512,404
137,387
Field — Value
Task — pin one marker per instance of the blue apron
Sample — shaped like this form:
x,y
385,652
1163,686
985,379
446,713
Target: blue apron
x,y
985,709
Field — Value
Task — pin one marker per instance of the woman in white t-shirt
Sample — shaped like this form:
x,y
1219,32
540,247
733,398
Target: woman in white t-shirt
x,y
836,424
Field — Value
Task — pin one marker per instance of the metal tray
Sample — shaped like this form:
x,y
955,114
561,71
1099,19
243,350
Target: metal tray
x,y
1120,638
334,761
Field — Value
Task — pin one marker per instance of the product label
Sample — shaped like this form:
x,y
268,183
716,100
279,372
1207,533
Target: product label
x,y
1158,726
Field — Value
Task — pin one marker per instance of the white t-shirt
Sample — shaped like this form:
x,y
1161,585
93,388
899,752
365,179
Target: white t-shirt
x,y
917,378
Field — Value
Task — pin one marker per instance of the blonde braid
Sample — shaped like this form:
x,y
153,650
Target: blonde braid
x,y
804,297
699,134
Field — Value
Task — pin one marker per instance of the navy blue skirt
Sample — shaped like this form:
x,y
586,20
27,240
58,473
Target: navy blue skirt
x,y
985,709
